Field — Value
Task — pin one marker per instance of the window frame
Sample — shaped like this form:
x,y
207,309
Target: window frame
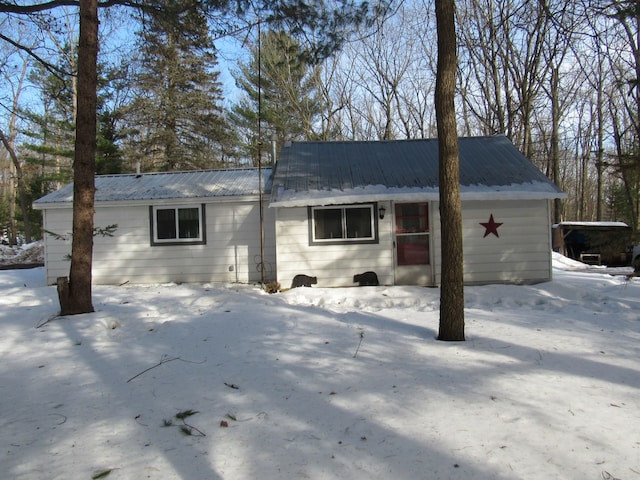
x,y
153,224
344,240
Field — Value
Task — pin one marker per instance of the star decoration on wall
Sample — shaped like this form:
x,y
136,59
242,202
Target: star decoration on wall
x,y
491,227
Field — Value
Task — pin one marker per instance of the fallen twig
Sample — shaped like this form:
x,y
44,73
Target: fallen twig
x,y
51,317
64,417
164,359
359,343
191,427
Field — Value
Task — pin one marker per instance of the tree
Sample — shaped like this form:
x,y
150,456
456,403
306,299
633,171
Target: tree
x,y
7,143
12,172
177,109
75,294
452,285
381,84
280,86
326,24
49,134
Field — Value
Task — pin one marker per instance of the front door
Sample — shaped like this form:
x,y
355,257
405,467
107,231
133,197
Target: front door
x,y
413,259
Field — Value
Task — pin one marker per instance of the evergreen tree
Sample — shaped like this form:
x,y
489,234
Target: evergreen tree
x,y
282,91
74,293
108,153
177,109
49,146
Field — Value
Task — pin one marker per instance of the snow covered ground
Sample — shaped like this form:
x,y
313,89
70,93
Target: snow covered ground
x,y
28,254
227,382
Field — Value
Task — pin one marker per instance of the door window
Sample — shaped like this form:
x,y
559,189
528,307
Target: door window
x,y
412,233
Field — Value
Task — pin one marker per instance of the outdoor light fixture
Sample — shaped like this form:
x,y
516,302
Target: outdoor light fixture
x,y
381,212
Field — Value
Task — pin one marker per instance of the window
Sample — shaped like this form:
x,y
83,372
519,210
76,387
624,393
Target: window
x,y
343,224
177,225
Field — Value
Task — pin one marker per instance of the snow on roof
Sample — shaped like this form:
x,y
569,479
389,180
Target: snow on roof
x,y
328,173
592,224
169,185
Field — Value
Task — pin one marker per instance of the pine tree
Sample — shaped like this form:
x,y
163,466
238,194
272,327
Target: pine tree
x,y
49,134
177,110
283,92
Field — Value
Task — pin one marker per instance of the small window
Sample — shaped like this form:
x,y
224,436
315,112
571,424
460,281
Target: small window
x,y
343,224
177,225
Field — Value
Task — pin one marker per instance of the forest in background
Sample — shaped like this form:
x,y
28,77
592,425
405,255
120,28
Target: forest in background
x,y
559,78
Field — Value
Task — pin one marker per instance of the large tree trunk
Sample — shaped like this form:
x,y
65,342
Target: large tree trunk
x,y
79,287
452,288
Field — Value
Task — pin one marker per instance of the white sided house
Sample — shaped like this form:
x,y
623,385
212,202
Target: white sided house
x,y
198,227
329,210
345,208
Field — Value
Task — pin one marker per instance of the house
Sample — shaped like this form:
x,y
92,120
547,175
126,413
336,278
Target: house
x,y
197,226
344,208
329,210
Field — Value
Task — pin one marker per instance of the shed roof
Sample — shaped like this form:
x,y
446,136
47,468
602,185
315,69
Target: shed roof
x,y
169,185
313,173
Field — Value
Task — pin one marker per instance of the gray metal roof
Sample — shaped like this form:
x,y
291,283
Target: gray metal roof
x,y
338,172
170,185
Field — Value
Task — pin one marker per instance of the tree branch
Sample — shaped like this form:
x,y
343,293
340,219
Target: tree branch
x,y
58,72
6,7
38,7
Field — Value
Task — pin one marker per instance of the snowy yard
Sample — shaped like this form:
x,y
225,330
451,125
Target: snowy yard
x,y
227,382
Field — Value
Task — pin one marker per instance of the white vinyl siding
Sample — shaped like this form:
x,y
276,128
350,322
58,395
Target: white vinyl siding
x,y
232,252
521,253
333,264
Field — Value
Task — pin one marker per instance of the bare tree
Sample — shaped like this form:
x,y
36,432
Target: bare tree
x,y
7,142
384,79
12,172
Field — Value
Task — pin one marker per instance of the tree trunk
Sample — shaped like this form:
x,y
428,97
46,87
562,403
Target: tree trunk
x,y
79,287
555,138
21,193
452,289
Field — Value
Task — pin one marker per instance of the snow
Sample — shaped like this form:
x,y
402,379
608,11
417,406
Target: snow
x,y
30,253
534,190
592,224
318,383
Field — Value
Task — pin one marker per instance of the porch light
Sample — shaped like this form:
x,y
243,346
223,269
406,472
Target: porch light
x,y
381,212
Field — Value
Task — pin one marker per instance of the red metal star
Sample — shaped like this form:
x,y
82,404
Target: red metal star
x,y
491,227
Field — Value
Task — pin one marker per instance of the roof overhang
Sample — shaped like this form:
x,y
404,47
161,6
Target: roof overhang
x,y
147,202
380,193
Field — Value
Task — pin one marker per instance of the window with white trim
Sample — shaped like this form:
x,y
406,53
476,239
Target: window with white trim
x,y
177,225
343,224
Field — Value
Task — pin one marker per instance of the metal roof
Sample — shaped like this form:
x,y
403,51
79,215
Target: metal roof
x,y
335,172
170,185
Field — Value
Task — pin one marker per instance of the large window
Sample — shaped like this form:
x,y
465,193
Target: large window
x,y
177,225
343,224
